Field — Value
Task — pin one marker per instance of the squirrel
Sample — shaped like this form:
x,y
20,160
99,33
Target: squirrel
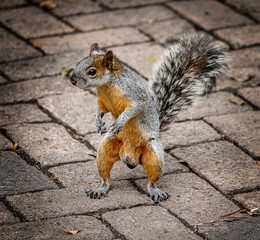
x,y
188,69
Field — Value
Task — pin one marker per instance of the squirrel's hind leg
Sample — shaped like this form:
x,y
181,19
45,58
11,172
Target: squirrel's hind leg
x,y
152,161
108,154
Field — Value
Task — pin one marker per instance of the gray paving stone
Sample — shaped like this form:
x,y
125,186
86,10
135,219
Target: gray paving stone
x,y
242,128
19,113
168,31
249,200
243,229
105,38
3,80
54,229
212,105
33,89
121,18
31,22
187,133
13,3
72,201
5,216
86,173
141,57
48,143
223,164
241,36
13,48
94,139
151,222
248,57
192,199
19,177
5,143
251,94
209,14
133,3
70,7
42,67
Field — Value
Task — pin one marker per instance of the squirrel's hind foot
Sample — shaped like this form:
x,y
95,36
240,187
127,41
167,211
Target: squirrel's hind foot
x,y
156,194
98,192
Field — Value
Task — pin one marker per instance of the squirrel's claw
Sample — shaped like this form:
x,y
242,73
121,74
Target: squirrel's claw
x,y
115,128
98,192
156,194
100,124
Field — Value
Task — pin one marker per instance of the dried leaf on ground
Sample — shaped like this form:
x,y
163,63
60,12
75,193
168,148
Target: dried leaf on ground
x,y
152,59
65,72
37,44
49,4
240,79
77,137
73,232
15,146
92,153
37,219
237,101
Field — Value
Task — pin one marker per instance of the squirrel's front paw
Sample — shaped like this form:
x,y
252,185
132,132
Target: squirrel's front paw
x,y
98,192
156,194
116,127
100,125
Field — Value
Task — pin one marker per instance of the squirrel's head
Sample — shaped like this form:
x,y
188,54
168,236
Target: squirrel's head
x,y
95,70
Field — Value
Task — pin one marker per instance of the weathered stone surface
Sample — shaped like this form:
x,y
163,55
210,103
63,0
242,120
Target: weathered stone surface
x,y
251,94
33,89
249,200
94,139
249,57
70,7
5,143
58,228
121,18
14,114
5,216
105,38
242,128
243,229
48,143
123,4
19,177
2,80
168,31
83,174
31,22
70,201
209,14
223,164
187,133
192,199
141,57
214,104
242,36
151,222
13,3
13,48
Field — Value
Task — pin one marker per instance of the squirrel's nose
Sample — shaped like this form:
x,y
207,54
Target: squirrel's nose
x,y
73,80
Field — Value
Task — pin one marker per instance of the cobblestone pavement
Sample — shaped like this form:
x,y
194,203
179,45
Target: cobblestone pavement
x,y
48,134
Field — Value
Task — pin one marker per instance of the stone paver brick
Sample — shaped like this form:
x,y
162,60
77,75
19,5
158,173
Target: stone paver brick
x,y
242,128
187,133
251,7
151,222
72,201
121,18
42,67
249,200
53,229
133,3
5,143
142,57
19,113
83,174
241,36
192,199
209,14
249,57
13,48
243,229
251,94
223,164
6,217
13,3
212,105
48,143
105,38
69,7
33,89
31,22
19,177
3,80
168,31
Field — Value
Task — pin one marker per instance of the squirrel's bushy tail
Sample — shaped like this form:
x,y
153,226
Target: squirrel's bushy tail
x,y
188,69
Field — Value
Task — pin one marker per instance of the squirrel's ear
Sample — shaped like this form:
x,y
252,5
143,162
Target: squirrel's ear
x,y
108,60
94,49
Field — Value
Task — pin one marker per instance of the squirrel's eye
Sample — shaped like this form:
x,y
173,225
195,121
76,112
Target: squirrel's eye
x,y
92,72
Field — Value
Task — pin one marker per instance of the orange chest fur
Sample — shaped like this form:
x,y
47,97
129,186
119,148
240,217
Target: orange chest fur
x,y
111,99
